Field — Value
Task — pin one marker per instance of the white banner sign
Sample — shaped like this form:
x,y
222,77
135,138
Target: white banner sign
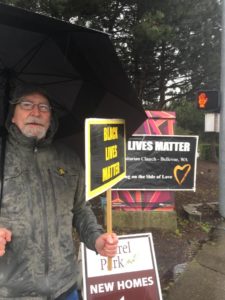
x,y
134,274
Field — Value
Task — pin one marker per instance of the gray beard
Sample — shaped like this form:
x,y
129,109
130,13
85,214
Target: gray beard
x,y
39,132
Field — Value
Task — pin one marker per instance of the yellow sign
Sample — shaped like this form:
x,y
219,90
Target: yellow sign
x,y
105,147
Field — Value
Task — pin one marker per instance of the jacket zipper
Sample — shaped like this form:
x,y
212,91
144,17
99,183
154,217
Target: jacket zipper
x,y
55,202
45,222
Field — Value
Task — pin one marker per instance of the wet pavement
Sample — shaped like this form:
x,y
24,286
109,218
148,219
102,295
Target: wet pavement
x,y
204,277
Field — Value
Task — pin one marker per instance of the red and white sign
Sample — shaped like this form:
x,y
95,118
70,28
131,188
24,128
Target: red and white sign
x,y
134,273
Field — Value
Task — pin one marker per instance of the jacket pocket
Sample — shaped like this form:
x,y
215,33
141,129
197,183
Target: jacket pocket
x,y
16,267
63,182
14,192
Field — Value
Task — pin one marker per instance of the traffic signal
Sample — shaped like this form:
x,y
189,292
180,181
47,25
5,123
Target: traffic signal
x,y
208,100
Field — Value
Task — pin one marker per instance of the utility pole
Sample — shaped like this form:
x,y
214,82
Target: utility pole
x,y
222,121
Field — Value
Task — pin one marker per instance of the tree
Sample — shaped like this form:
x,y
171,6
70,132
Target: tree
x,y
188,117
168,48
185,48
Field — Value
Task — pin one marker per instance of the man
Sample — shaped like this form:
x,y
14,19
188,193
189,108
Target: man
x,y
43,197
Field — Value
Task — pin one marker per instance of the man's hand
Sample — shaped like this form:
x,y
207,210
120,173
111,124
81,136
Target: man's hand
x,y
106,244
5,237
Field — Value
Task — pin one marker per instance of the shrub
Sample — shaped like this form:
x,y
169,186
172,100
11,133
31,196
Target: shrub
x,y
206,151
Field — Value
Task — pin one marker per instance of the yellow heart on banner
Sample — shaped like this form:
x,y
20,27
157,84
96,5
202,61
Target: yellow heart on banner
x,y
185,169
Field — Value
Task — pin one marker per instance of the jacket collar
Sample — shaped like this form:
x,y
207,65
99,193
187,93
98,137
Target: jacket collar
x,y
16,137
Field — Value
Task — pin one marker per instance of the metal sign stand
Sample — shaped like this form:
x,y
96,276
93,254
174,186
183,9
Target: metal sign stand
x,y
222,123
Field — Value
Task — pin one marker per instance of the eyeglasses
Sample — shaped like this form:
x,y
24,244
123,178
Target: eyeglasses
x,y
27,105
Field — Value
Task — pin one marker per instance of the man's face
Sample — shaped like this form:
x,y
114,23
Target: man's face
x,y
33,122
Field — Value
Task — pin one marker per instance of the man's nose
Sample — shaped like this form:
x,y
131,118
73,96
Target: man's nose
x,y
35,111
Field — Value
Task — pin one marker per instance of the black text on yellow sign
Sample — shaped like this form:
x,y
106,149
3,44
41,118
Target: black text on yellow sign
x,y
111,152
105,154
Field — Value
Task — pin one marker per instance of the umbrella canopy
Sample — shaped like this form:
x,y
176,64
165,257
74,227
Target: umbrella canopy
x,y
77,66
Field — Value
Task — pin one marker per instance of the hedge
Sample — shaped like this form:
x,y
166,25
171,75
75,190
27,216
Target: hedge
x,y
206,151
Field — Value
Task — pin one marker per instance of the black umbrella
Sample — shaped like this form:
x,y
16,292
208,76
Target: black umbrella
x,y
77,66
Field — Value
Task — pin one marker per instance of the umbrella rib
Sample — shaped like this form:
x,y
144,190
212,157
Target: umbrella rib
x,y
52,82
2,62
66,76
35,50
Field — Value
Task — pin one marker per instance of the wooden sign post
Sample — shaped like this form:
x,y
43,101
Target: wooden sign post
x,y
109,220
105,147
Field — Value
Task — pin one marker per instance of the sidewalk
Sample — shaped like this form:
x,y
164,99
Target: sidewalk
x,y
204,277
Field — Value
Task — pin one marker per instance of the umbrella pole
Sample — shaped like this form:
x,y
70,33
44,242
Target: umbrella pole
x,y
109,220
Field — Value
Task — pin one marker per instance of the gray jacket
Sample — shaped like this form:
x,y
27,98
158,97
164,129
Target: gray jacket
x,y
43,197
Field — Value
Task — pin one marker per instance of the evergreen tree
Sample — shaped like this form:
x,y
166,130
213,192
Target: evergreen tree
x,y
169,49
